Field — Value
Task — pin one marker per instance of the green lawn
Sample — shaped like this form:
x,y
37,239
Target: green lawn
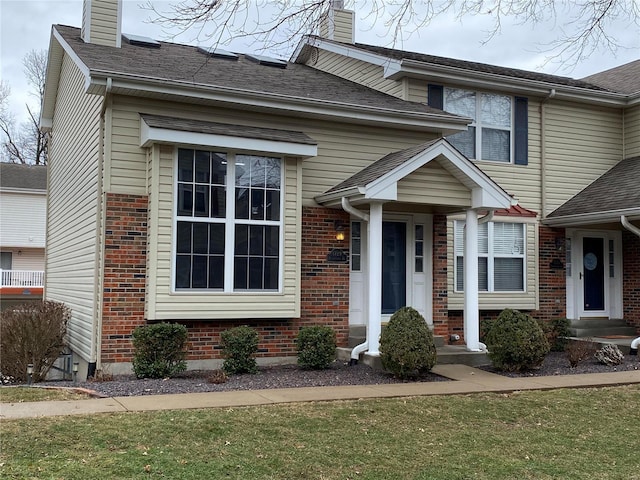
x,y
563,434
37,394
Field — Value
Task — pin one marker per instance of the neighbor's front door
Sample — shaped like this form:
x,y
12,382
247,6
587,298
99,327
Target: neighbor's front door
x,y
593,274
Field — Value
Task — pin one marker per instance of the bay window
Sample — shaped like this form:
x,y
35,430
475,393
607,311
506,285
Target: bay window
x,y
501,256
228,222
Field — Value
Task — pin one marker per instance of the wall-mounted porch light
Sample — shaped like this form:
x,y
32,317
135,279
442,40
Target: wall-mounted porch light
x,y
75,373
339,227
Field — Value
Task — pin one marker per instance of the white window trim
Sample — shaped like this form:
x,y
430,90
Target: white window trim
x,y
480,126
490,256
229,221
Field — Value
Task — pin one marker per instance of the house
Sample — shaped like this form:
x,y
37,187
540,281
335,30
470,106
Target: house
x,y
23,206
218,189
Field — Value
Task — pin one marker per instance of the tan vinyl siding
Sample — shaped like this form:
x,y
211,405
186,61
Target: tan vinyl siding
x,y
357,71
343,25
432,184
527,300
582,143
416,90
29,259
343,149
521,181
104,21
24,217
184,305
632,132
72,206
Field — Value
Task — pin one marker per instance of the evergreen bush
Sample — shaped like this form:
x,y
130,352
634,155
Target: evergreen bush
x,y
316,347
159,350
239,345
516,342
557,332
407,347
32,333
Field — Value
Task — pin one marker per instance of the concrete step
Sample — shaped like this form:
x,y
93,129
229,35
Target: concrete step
x,y
601,331
357,335
598,322
448,354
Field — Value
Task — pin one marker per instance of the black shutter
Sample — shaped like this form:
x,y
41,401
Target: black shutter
x,y
435,96
521,131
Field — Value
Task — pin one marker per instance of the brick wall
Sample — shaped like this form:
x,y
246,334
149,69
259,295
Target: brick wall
x,y
552,276
125,263
324,286
631,278
440,287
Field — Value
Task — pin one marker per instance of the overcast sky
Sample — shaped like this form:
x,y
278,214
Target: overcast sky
x,y
26,25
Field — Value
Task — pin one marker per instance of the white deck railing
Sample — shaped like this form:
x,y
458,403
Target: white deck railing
x,y
21,278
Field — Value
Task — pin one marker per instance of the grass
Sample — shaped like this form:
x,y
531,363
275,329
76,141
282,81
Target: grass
x,y
36,394
562,434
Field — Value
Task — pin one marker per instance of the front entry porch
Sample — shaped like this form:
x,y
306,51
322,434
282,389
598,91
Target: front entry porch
x,y
401,259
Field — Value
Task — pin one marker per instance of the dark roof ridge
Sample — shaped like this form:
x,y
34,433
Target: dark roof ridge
x,y
471,65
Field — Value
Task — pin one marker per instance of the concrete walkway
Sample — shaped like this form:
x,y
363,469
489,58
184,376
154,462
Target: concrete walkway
x,y
465,380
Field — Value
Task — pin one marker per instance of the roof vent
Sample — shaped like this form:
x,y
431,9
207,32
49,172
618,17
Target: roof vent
x,y
217,53
140,41
268,61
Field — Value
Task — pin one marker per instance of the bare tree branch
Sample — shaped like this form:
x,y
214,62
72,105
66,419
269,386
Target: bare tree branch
x,y
279,24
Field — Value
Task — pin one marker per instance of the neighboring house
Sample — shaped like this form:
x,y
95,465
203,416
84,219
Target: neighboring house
x,y
217,189
23,207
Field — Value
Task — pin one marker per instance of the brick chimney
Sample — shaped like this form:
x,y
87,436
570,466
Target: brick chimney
x,y
102,22
338,23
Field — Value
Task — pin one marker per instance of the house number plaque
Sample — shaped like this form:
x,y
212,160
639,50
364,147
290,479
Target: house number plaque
x,y
337,255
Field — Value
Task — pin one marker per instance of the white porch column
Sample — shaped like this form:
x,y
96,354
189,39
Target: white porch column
x,y
471,303
375,278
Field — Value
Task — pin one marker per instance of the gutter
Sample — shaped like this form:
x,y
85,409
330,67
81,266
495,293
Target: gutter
x,y
612,216
625,223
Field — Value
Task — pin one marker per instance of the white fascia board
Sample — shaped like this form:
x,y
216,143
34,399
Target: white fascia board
x,y
335,197
150,135
354,52
298,105
611,216
382,191
492,195
492,81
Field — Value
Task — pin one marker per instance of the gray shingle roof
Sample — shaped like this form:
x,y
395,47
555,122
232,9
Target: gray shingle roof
x,y
184,64
623,79
28,177
617,189
199,126
381,167
473,66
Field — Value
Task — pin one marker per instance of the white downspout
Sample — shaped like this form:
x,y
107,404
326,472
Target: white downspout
x,y
364,346
487,218
625,223
634,346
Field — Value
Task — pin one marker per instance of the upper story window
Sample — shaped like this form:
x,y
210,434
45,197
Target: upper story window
x,y
489,136
228,221
501,257
500,128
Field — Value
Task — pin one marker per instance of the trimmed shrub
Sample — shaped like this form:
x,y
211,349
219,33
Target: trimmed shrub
x,y
407,348
485,326
160,350
516,342
32,333
316,347
557,332
579,350
239,345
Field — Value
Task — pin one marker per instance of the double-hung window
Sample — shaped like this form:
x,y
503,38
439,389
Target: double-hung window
x,y
228,222
501,256
489,137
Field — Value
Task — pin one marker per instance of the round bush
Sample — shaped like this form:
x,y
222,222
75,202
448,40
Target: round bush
x,y
316,347
159,350
516,342
407,348
239,345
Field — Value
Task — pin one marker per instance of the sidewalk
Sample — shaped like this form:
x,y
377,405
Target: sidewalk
x,y
465,380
